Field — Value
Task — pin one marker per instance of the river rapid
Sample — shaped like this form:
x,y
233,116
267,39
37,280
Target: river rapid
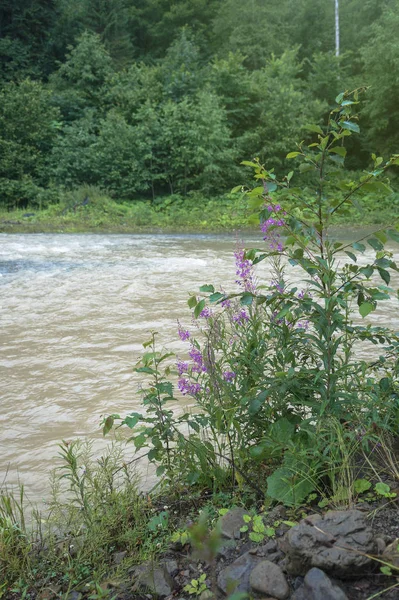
x,y
75,310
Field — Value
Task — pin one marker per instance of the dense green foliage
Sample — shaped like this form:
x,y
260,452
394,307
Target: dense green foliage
x,y
274,369
151,98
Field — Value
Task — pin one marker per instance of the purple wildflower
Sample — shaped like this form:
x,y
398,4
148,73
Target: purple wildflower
x,y
269,228
241,317
182,367
301,295
303,325
229,376
206,313
184,334
196,356
186,387
226,303
277,285
244,271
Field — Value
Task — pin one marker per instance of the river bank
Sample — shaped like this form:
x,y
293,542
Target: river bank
x,y
89,211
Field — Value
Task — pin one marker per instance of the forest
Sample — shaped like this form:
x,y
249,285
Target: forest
x,y
152,99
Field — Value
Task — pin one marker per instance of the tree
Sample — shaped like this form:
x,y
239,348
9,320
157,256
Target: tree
x,y
381,72
284,105
195,144
79,81
29,127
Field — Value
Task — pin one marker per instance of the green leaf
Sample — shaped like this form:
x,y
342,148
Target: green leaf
x,y
247,518
199,308
207,288
293,154
393,234
192,302
386,570
256,537
108,424
248,163
350,126
376,244
340,97
351,255
365,309
246,299
339,150
384,275
216,297
358,246
288,487
144,370
132,420
382,488
314,128
361,485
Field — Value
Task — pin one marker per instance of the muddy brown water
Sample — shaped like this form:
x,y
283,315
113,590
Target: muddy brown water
x,y
75,310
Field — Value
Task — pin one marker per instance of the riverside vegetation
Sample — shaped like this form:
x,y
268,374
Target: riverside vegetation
x,y
283,409
118,115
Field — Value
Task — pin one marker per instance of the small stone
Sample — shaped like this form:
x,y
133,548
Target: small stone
x,y
206,595
231,523
154,579
171,567
118,557
268,578
235,577
266,549
391,553
226,549
381,545
318,586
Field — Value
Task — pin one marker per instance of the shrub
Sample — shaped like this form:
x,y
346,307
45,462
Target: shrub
x,y
273,369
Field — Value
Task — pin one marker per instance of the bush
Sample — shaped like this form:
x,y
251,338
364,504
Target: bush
x,y
273,369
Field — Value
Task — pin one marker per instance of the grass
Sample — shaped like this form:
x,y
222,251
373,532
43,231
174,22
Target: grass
x,y
168,214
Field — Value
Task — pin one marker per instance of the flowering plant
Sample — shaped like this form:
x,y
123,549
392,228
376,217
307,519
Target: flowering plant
x,y
272,368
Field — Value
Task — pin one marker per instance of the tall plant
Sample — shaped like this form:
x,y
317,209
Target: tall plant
x,y
274,368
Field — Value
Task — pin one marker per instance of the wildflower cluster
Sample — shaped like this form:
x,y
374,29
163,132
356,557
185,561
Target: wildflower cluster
x,y
270,228
244,271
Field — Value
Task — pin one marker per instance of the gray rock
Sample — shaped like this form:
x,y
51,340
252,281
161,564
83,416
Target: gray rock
x,y
329,542
381,545
268,579
118,557
226,549
171,566
317,586
231,523
269,548
235,577
152,578
391,553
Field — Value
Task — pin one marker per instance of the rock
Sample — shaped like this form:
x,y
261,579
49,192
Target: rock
x,y
235,577
269,548
152,578
206,595
317,586
118,557
268,578
231,523
226,549
171,567
74,596
391,553
329,542
381,545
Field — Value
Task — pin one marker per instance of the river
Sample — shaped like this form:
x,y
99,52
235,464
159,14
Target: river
x,y
75,310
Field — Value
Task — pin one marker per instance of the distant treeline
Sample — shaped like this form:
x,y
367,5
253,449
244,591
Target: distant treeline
x,y
149,97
